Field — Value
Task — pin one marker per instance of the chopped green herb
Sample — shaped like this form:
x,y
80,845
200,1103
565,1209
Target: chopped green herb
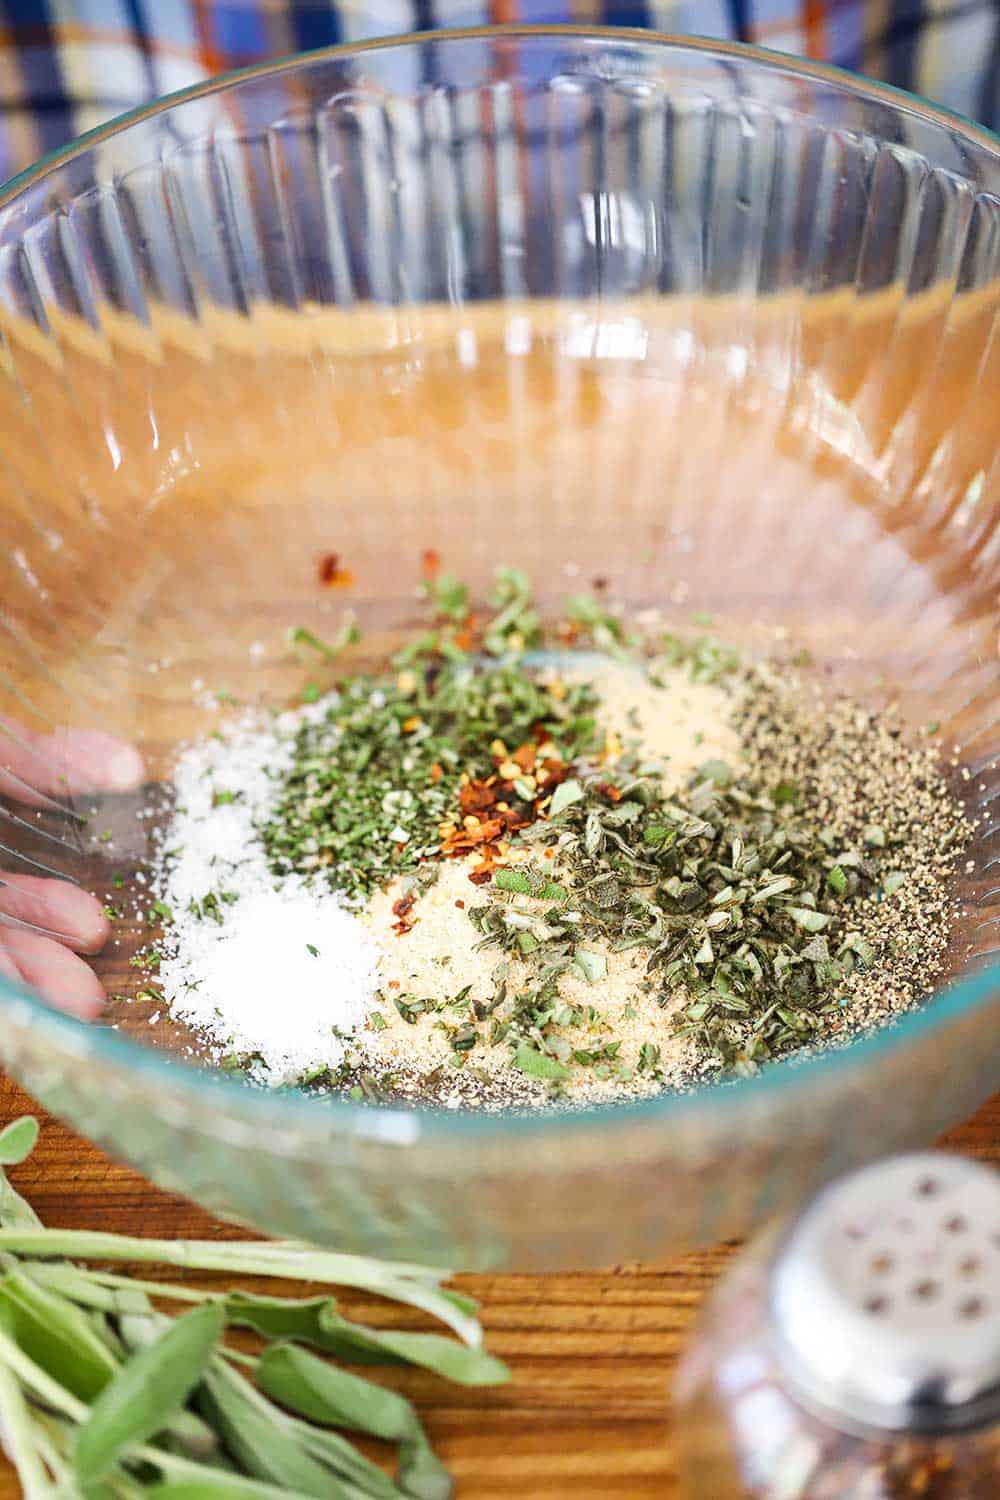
x,y
564,796
649,1057
448,596
593,966
537,1064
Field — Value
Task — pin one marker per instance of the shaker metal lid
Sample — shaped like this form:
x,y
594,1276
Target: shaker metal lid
x,y
885,1297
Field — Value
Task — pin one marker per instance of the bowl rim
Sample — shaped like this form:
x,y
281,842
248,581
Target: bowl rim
x,y
393,1124
768,57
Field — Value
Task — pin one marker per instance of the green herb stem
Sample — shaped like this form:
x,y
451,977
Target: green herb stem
x,y
19,1437
407,1284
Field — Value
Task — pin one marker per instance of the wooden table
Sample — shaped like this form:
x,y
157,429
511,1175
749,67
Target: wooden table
x,y
586,1414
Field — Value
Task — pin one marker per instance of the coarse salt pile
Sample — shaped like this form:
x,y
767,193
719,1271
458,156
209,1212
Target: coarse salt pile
x,y
279,972
287,976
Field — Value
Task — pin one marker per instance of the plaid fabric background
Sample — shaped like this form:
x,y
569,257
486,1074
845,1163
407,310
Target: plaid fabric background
x,y
66,65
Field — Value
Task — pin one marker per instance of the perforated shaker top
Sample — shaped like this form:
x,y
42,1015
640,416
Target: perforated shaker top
x,y
885,1297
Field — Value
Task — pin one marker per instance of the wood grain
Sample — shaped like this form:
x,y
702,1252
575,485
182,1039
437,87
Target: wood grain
x,y
593,1354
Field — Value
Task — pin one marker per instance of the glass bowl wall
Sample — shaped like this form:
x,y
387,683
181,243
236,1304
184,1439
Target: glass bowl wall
x,y
714,326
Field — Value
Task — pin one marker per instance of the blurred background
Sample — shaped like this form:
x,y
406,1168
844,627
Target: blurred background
x,y
68,65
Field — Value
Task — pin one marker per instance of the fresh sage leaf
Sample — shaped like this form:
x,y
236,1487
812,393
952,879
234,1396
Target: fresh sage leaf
x,y
421,1473
147,1391
17,1140
56,1335
280,1317
317,1322
323,1393
308,1385
216,1485
446,1357
262,1442
356,1473
15,1211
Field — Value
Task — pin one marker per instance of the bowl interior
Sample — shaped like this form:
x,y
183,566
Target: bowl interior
x,y
716,333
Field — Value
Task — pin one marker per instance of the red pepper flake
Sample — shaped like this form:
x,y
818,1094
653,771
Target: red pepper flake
x,y
394,984
611,792
550,774
514,818
430,563
491,812
461,905
525,757
436,772
331,574
467,636
487,830
477,797
402,909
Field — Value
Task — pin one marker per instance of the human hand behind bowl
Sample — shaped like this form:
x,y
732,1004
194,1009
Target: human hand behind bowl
x,y
34,769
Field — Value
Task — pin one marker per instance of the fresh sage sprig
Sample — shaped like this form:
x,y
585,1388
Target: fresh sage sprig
x,y
104,1395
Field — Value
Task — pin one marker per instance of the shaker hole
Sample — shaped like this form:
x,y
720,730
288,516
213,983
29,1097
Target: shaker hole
x,y
877,1306
971,1309
926,1291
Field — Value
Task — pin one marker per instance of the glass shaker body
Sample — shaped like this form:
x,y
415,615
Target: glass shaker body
x,y
747,1428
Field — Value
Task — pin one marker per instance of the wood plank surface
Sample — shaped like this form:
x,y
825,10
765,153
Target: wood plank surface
x,y
592,1354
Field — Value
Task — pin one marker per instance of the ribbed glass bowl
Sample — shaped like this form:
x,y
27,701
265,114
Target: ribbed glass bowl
x,y
714,325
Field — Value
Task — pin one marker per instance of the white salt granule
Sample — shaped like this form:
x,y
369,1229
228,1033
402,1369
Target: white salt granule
x,y
251,982
288,974
209,840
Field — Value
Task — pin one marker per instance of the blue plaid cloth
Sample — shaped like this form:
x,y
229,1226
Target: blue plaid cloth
x,y
67,65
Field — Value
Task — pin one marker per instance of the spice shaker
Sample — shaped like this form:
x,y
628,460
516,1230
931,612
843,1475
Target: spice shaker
x,y
855,1354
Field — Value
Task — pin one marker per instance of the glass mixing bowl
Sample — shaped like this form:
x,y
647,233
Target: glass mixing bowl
x,y
715,325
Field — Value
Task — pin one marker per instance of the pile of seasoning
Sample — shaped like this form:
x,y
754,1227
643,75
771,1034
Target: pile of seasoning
x,y
575,864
